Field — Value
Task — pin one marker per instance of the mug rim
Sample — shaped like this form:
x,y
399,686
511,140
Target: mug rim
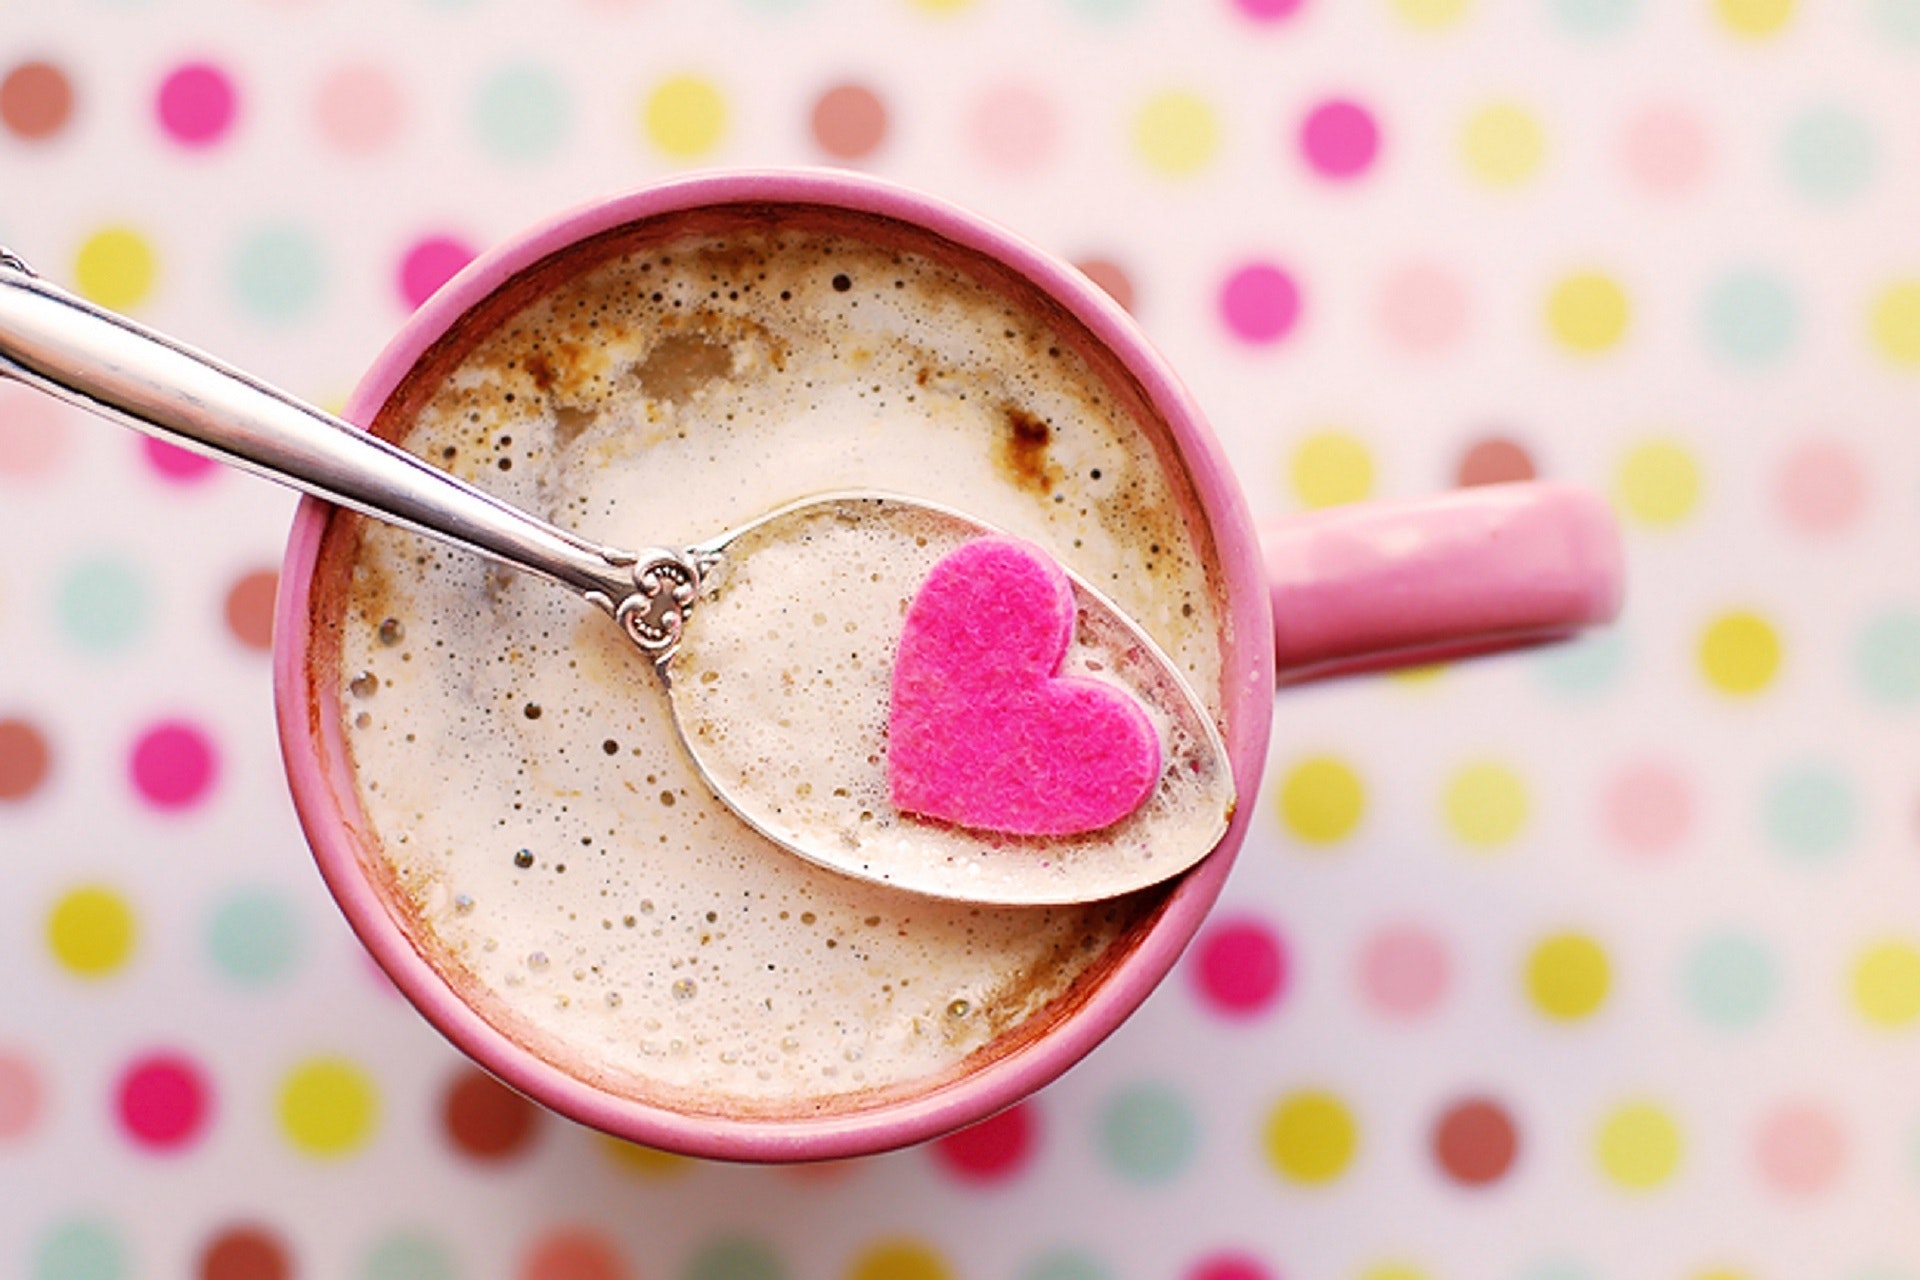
x,y
318,778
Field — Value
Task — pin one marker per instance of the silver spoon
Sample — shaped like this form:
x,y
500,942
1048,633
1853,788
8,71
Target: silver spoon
x,y
109,365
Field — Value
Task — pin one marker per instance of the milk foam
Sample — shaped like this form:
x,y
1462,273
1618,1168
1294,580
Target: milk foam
x,y
517,760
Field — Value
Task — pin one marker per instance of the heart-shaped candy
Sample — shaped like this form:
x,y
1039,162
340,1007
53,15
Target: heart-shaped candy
x,y
984,732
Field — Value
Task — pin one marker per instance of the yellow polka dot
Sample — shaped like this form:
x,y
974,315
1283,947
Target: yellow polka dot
x,y
1739,653
1431,15
645,1162
1638,1146
1176,133
941,6
1896,323
1503,145
1720,1273
1587,313
899,1260
1568,977
1420,677
1393,1271
1321,800
91,931
328,1107
1311,1137
1886,984
1659,482
1754,17
1486,804
685,117
115,268
1331,468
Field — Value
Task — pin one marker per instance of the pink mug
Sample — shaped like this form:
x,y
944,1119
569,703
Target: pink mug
x,y
1349,589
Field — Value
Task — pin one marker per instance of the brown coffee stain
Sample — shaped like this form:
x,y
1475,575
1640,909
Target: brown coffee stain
x,y
849,121
1021,451
485,1120
246,1253
680,364
24,759
36,101
249,608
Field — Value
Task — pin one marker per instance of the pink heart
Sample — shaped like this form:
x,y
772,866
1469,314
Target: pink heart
x,y
984,731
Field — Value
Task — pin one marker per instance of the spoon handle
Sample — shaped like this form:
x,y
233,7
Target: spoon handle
x,y
109,365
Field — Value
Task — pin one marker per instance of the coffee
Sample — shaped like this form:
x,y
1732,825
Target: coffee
x,y
538,833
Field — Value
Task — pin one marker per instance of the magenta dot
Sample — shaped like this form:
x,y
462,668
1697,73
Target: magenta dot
x,y
1269,10
176,465
1423,308
1404,970
1647,809
20,1096
1260,303
196,105
1801,1149
163,1101
1240,967
173,765
1822,488
1340,139
992,1151
429,264
1230,1266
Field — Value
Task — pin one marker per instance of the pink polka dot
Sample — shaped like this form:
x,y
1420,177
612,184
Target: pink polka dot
x,y
1340,139
1423,309
1230,1266
1821,488
1269,10
196,104
994,1150
1404,970
430,263
1014,128
173,765
1260,303
1647,809
163,1101
358,109
1665,149
33,433
174,464
1239,967
21,1097
1801,1149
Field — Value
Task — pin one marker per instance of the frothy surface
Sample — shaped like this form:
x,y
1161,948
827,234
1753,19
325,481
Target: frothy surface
x,y
549,845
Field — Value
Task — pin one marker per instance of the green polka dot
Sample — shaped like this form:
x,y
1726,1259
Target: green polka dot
x,y
735,1258
1730,981
521,113
1147,1134
1898,21
1880,1271
1809,814
1828,154
1583,667
80,1251
254,937
1065,1264
277,274
1750,318
1886,659
408,1257
1593,17
1106,10
103,605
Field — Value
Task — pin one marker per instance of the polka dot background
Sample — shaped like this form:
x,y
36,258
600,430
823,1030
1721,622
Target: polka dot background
x,y
1595,964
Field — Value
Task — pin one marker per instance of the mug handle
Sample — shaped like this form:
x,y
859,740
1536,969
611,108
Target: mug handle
x,y
1379,585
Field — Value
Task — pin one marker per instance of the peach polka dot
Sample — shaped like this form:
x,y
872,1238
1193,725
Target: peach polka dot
x,y
1820,488
1422,308
1014,128
1404,970
1801,1149
1647,810
1665,149
358,109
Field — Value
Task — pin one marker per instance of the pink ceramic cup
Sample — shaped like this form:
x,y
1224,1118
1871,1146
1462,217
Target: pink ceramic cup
x,y
1353,589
